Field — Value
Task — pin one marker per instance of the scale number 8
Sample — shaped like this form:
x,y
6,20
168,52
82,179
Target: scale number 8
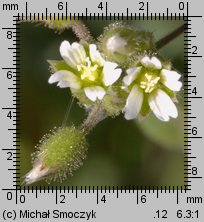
x,y
9,34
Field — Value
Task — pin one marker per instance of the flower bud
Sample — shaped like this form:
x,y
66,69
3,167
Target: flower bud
x,y
59,154
59,24
121,44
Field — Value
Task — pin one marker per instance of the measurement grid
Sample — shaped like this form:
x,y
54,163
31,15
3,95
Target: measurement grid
x,y
182,195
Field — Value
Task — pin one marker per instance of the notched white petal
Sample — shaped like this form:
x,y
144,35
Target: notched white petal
x,y
65,49
95,55
167,104
80,48
110,73
132,74
94,93
72,54
162,105
156,108
170,74
133,103
65,79
171,79
65,45
79,52
151,62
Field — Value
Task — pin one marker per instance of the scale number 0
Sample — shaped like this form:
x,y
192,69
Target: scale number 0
x,y
21,198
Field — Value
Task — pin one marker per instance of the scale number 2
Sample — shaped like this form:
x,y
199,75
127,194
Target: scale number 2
x,y
10,156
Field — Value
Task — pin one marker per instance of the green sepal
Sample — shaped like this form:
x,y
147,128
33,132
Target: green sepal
x,y
114,101
56,65
82,98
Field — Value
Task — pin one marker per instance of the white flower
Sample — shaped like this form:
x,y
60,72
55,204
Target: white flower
x,y
88,70
148,84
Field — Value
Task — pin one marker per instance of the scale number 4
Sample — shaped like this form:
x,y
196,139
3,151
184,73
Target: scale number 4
x,y
194,91
103,199
9,115
100,6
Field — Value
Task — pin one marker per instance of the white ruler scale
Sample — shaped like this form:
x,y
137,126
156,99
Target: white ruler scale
x,y
99,203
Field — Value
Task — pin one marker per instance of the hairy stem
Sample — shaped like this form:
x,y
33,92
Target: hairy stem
x,y
162,42
82,32
96,115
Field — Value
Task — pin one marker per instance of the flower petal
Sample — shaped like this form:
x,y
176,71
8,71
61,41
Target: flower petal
x,y
94,92
95,55
133,103
72,54
162,105
65,79
132,74
170,79
79,52
110,73
151,62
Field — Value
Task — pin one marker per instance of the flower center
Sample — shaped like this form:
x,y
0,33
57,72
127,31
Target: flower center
x,y
149,82
88,70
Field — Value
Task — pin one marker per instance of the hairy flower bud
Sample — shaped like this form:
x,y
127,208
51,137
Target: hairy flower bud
x,y
121,44
59,25
58,155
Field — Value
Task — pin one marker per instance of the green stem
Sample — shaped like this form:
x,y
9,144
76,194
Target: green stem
x,y
96,115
